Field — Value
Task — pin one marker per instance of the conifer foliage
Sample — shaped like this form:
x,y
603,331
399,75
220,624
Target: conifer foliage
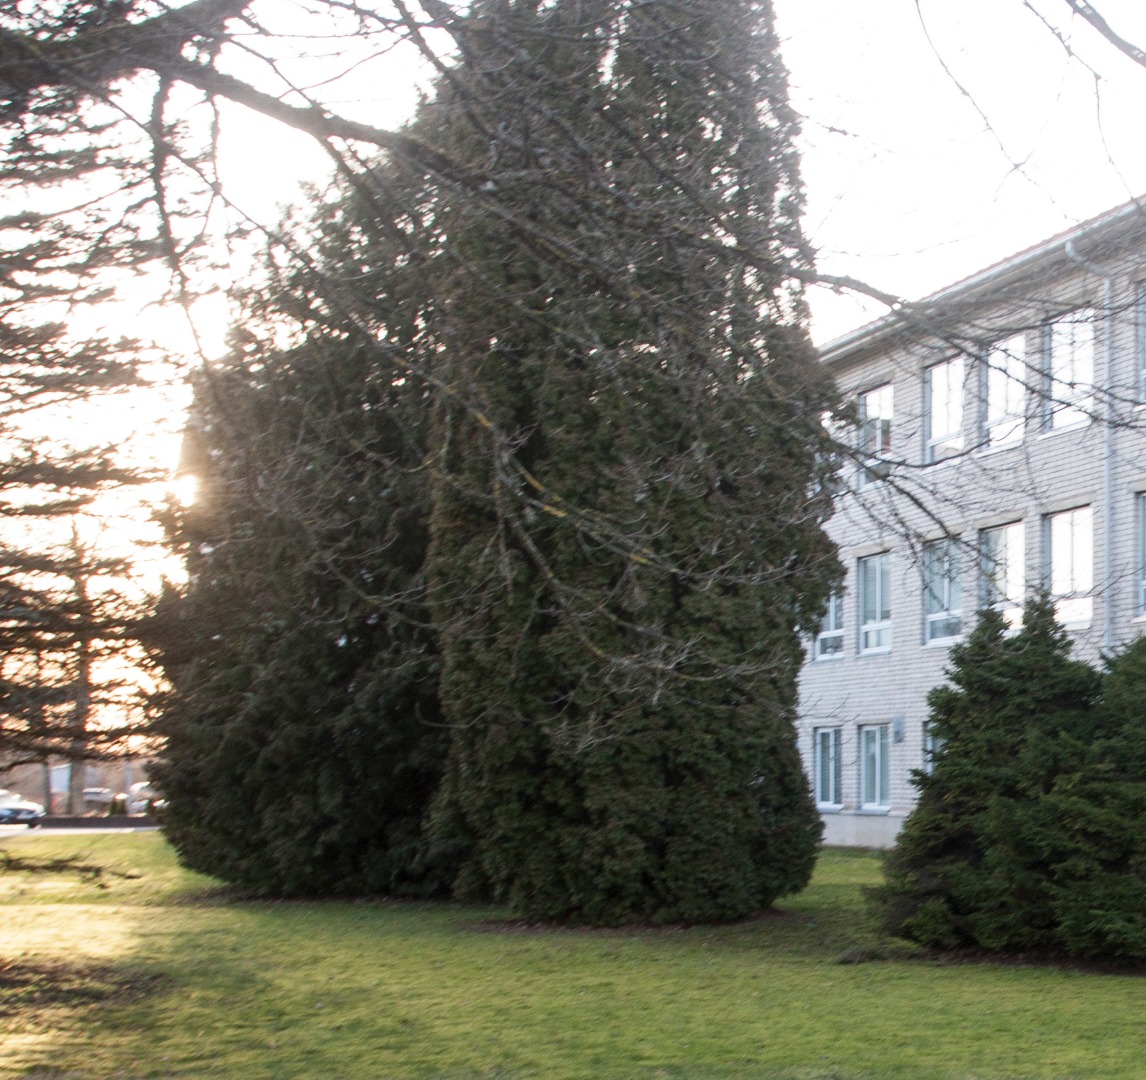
x,y
596,300
1028,834
303,730
619,662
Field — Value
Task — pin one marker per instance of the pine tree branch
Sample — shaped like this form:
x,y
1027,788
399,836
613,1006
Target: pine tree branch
x,y
96,56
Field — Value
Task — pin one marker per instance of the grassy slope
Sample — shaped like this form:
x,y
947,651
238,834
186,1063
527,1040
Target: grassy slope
x,y
371,990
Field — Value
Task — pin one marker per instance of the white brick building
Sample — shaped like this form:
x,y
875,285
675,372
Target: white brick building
x,y
1001,445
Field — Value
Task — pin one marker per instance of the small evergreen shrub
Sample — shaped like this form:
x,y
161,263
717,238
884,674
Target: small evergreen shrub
x,y
1030,833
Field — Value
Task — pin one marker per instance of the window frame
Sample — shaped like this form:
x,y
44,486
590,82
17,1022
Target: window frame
x,y
1008,428
1140,340
875,458
950,441
831,630
1140,552
878,781
880,626
1067,398
932,746
834,774
990,595
1074,605
946,554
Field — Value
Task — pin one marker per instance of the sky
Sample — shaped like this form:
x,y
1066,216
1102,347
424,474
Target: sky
x,y
938,137
941,136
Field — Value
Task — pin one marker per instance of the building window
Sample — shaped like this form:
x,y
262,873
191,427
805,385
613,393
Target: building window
x,y
1140,518
875,415
942,590
874,771
943,409
830,640
875,603
1002,563
932,747
1070,368
1005,391
1070,563
827,766
1140,339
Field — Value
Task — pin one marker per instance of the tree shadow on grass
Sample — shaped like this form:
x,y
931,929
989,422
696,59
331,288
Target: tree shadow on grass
x,y
31,986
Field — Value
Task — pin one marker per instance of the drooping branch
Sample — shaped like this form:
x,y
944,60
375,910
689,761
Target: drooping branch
x,y
96,56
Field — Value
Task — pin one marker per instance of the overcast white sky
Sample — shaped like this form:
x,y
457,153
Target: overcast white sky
x,y
916,177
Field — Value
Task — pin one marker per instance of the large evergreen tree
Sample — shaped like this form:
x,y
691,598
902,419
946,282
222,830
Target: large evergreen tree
x,y
626,524
63,607
584,307
304,736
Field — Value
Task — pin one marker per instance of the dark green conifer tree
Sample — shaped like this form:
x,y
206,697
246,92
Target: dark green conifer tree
x,y
581,306
304,736
1016,722
626,529
1083,830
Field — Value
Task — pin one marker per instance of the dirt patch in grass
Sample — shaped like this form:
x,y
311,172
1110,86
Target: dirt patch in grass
x,y
93,873
33,985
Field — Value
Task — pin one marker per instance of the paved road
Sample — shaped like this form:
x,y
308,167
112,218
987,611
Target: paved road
x,y
69,830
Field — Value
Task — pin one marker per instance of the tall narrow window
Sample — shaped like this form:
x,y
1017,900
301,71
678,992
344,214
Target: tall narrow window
x,y
942,590
1070,368
874,770
827,766
1002,561
875,416
829,456
932,746
1140,339
943,409
830,639
1005,391
1070,563
1140,518
875,603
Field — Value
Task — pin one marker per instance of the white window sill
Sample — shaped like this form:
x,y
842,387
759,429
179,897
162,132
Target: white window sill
x,y
998,448
829,658
874,811
830,808
1074,425
946,459
882,650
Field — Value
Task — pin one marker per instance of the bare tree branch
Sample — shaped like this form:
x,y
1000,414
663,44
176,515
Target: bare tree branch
x,y
1092,16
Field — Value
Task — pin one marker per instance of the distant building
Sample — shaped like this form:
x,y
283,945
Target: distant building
x,y
1001,444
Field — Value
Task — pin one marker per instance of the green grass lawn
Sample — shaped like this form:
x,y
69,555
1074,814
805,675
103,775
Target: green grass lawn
x,y
157,974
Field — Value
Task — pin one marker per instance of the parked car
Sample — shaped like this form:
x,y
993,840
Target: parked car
x,y
142,798
16,810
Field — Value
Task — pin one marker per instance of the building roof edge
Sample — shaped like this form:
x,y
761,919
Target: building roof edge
x,y
991,276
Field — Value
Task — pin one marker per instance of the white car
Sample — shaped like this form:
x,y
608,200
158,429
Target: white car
x,y
16,810
142,798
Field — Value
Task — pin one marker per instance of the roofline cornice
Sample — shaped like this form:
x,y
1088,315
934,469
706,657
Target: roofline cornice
x,y
1110,225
